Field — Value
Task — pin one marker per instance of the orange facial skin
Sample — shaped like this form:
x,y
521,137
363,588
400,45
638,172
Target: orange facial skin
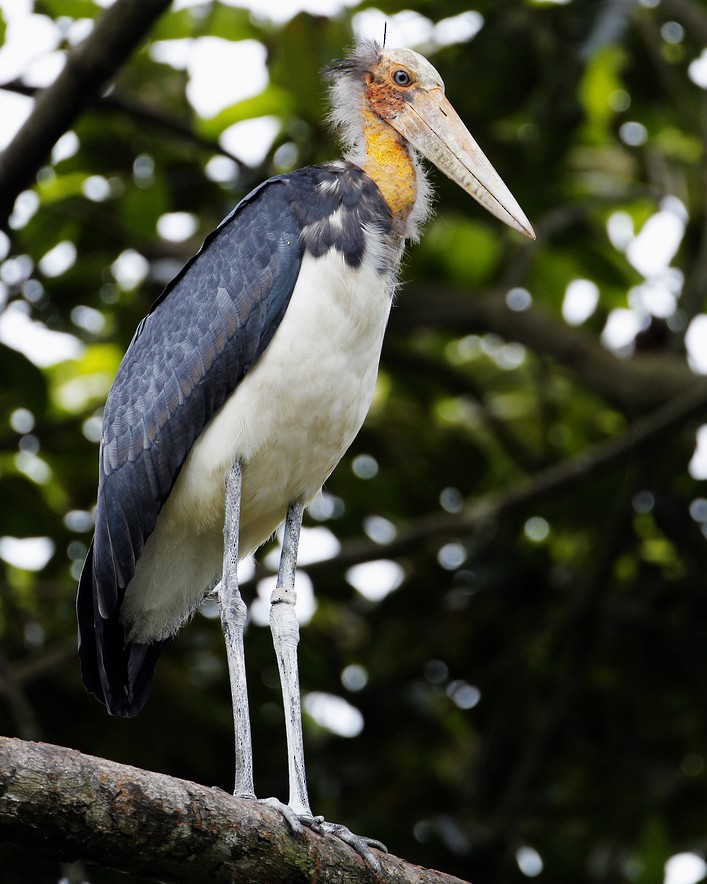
x,y
389,163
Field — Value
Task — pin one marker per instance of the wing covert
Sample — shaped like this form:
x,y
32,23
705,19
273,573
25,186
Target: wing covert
x,y
202,335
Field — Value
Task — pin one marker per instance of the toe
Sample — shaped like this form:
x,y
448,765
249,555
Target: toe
x,y
294,820
361,844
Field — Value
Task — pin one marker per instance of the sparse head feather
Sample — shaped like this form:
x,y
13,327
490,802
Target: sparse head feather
x,y
369,57
361,59
351,75
347,81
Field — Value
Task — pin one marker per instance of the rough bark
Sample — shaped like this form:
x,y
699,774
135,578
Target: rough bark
x,y
72,806
88,68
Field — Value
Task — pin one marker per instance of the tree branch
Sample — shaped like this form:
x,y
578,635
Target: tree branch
x,y
88,67
638,384
459,384
73,806
142,113
557,478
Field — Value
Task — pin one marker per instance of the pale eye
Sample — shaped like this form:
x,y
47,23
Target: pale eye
x,y
402,78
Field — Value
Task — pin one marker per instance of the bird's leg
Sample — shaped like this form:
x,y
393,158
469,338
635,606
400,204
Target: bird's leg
x,y
285,633
233,611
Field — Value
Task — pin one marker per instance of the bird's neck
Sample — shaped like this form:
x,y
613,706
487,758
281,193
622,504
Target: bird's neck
x,y
389,163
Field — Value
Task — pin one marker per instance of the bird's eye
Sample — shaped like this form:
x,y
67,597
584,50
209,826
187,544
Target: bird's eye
x,y
402,78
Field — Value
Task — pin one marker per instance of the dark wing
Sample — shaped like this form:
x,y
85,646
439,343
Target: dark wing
x,y
203,334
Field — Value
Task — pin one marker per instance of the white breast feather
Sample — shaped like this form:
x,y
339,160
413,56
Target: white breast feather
x,y
289,421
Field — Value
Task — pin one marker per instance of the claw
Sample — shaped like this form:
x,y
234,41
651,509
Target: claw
x,y
298,821
360,843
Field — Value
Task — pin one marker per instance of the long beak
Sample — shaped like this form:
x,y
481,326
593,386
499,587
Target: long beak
x,y
433,127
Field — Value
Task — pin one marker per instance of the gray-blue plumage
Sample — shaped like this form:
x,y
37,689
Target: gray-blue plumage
x,y
203,335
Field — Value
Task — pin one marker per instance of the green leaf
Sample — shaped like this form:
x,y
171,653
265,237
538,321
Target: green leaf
x,y
141,207
272,101
56,188
82,384
467,250
70,8
213,20
600,81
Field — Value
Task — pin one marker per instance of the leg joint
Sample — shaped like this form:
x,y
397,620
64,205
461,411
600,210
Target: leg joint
x,y
283,594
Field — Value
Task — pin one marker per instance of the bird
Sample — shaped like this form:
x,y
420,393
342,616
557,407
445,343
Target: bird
x,y
246,383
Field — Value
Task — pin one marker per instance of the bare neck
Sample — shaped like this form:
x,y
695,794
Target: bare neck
x,y
389,163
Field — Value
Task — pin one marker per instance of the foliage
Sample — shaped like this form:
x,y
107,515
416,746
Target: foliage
x,y
538,679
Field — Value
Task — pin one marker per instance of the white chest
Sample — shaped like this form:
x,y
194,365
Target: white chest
x,y
288,422
294,415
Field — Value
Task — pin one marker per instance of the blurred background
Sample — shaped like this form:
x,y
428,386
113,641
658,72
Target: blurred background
x,y
503,597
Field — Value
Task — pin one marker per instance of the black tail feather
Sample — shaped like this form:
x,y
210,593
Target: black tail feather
x,y
118,672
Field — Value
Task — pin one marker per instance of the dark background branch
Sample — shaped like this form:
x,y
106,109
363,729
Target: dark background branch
x,y
637,384
560,478
140,112
88,68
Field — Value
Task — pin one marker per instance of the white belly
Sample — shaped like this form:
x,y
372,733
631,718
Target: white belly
x,y
289,422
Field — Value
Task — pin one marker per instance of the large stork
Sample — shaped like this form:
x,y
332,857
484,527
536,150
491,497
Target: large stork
x,y
249,379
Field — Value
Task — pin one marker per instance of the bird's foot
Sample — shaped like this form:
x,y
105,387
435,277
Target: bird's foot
x,y
298,821
360,843
291,818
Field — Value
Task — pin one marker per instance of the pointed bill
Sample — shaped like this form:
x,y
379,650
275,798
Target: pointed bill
x,y
433,127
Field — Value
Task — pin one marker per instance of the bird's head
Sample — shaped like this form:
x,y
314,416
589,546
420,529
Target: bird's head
x,y
403,90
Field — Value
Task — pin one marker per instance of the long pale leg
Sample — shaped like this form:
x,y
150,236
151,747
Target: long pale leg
x,y
285,633
233,611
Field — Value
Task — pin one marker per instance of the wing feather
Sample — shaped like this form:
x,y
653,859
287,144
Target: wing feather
x,y
204,333
206,330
